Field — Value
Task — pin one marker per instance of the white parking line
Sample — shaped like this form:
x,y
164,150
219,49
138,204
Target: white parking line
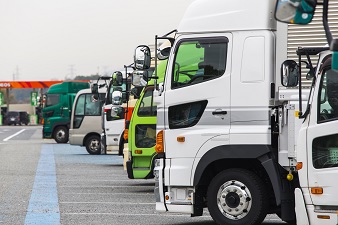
x,y
13,135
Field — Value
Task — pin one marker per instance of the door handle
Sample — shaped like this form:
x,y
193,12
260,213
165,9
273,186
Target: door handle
x,y
219,112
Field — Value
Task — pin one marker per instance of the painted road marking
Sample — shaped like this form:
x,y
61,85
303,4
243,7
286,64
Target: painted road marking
x,y
43,205
13,135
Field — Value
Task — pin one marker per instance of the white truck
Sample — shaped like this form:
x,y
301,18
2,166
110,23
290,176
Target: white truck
x,y
113,126
230,136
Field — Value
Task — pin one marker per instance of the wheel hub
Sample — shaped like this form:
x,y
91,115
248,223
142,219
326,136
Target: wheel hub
x,y
234,200
61,134
94,145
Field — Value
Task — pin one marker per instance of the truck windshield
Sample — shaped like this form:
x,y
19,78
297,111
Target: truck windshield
x,y
52,99
112,88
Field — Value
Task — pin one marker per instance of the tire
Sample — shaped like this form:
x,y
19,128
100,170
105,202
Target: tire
x,y
103,145
93,145
61,134
121,145
237,196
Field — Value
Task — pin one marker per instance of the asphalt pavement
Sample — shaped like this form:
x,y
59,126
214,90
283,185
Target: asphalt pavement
x,y
42,182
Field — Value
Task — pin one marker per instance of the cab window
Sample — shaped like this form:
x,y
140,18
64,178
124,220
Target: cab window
x,y
199,60
52,99
147,106
328,97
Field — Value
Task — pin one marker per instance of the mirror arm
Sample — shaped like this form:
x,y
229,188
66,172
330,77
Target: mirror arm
x,y
155,71
173,31
325,22
300,86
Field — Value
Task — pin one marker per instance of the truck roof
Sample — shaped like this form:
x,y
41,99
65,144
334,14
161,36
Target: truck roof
x,y
226,15
67,87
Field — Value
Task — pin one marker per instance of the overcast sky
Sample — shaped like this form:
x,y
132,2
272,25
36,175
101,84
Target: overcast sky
x,y
52,39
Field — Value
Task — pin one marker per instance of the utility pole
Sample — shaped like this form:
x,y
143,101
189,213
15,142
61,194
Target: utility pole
x,y
16,73
71,71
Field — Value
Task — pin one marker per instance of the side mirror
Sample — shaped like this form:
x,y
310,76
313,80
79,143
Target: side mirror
x,y
117,78
117,112
140,78
289,73
142,57
295,11
116,98
95,88
334,49
163,53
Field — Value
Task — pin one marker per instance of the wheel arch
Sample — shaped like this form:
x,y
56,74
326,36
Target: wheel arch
x,y
57,124
257,158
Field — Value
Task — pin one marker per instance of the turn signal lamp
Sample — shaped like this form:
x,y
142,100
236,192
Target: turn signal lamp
x,y
125,134
299,166
316,190
181,139
159,148
42,121
325,217
138,151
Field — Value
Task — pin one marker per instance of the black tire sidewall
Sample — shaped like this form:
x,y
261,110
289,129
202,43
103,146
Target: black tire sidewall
x,y
257,189
63,140
88,142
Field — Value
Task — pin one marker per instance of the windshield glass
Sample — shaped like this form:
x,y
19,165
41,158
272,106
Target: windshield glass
x,y
52,99
112,89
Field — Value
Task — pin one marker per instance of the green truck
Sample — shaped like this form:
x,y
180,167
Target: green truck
x,y
142,131
142,126
57,110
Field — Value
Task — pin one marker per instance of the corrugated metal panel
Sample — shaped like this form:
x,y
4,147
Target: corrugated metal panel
x,y
312,35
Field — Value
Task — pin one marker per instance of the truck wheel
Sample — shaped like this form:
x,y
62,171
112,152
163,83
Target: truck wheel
x,y
237,196
61,134
121,145
93,145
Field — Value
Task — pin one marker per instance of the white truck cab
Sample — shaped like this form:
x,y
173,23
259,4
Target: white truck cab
x,y
230,136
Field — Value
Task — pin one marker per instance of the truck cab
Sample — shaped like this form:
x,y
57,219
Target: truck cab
x,y
231,132
57,110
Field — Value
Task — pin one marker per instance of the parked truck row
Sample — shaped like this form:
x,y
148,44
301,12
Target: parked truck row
x,y
223,121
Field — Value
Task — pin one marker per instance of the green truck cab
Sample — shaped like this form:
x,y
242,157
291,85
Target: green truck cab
x,y
142,131
57,111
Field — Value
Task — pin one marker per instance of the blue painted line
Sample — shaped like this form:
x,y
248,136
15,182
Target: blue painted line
x,y
43,205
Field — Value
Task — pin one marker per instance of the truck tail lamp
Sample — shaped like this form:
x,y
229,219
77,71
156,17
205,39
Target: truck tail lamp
x,y
159,147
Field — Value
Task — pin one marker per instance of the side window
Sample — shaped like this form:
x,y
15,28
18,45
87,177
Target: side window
x,y
328,97
186,115
147,106
52,99
93,107
199,60
325,151
145,135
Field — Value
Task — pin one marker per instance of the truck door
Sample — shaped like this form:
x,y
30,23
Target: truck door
x,y
322,140
197,98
